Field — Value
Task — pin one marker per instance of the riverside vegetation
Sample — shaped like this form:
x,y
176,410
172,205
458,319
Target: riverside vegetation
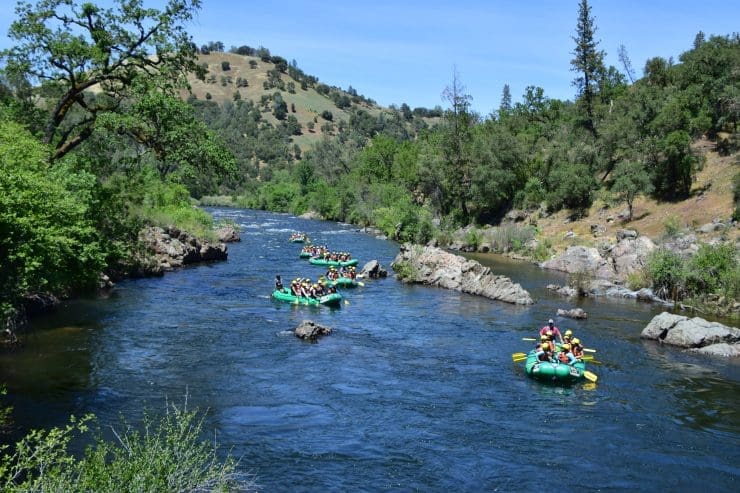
x,y
97,141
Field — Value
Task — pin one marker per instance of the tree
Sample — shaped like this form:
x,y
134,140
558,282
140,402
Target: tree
x,y
624,59
225,66
73,47
181,144
457,135
48,238
588,61
505,106
630,181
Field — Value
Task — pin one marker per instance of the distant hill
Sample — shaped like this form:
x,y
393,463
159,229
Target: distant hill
x,y
309,101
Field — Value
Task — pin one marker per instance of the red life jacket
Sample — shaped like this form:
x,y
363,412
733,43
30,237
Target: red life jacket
x,y
563,357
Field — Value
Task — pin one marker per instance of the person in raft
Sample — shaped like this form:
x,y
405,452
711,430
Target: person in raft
x,y
278,283
544,353
577,348
565,356
568,336
555,331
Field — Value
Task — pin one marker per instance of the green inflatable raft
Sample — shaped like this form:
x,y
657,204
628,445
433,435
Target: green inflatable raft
x,y
335,263
553,372
341,282
333,299
304,255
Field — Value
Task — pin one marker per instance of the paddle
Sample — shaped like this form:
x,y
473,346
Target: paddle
x,y
346,302
591,377
361,284
519,358
589,350
529,339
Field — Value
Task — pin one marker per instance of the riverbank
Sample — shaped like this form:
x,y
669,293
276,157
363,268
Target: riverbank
x,y
159,250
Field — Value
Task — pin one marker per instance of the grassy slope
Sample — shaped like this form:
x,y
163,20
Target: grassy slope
x,y
711,198
309,104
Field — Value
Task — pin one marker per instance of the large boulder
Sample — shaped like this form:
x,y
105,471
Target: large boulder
x,y
696,332
373,270
578,259
630,255
310,331
436,267
228,233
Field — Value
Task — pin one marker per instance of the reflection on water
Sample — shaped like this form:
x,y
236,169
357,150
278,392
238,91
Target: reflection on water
x,y
414,390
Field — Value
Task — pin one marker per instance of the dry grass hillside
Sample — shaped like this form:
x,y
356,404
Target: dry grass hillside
x,y
711,198
309,104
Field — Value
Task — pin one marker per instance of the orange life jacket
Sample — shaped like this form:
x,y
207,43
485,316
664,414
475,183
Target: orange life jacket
x,y
563,357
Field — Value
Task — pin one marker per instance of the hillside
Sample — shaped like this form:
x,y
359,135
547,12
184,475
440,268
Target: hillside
x,y
253,78
711,198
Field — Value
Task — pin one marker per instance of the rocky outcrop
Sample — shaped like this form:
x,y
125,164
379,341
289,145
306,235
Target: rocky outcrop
x,y
578,259
613,263
436,267
572,313
228,233
310,331
172,248
694,333
373,270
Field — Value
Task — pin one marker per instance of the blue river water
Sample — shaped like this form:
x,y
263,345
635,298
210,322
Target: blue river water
x,y
415,390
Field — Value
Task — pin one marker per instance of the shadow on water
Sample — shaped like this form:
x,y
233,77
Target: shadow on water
x,y
414,390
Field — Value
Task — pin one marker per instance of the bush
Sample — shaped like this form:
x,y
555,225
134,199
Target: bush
x,y
509,237
666,272
167,456
713,270
225,66
404,270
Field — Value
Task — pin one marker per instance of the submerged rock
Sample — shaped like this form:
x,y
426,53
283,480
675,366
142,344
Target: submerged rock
x,y
436,267
310,331
572,313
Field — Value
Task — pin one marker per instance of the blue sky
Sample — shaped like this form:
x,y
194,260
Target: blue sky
x,y
397,51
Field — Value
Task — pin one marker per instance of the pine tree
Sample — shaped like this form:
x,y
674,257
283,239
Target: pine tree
x,y
588,61
505,107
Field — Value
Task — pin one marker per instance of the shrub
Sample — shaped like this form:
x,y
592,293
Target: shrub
x,y
167,456
225,66
667,275
542,250
404,270
711,270
672,226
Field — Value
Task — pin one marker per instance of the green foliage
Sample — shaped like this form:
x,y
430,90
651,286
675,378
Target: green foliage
x,y
168,455
48,239
474,238
630,181
674,168
736,195
572,186
667,274
543,250
672,226
76,46
509,237
225,66
404,270
714,269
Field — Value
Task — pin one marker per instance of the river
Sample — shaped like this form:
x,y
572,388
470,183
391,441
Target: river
x,y
414,391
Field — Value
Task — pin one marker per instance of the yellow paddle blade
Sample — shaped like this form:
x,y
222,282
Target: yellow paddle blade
x,y
518,354
360,283
517,359
346,302
528,339
591,377
589,350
